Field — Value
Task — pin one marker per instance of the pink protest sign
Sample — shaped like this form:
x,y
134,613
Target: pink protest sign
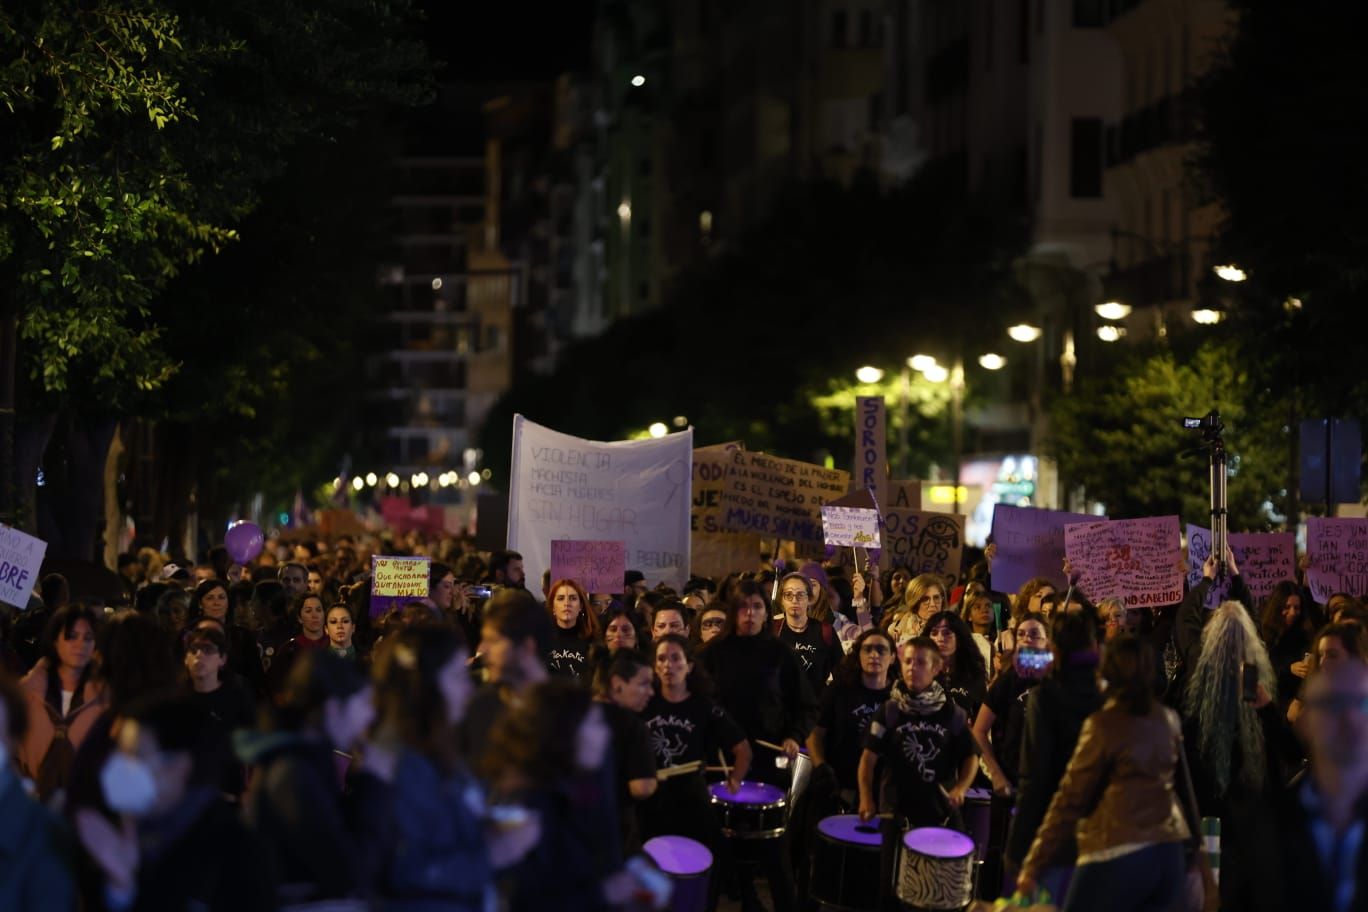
x,y
1135,560
1030,543
598,566
1337,556
1263,558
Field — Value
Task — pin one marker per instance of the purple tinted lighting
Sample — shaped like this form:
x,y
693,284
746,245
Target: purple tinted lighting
x,y
679,855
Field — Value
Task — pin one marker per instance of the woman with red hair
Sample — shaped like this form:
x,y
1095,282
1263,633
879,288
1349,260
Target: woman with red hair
x,y
576,629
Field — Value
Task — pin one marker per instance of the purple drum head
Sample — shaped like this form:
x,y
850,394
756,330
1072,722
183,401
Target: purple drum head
x,y
748,793
938,843
679,855
848,828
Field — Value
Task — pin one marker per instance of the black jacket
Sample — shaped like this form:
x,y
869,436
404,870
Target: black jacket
x,y
1055,712
761,683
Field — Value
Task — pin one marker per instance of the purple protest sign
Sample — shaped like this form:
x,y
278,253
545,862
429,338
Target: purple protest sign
x,y
1135,560
598,566
1263,558
1030,543
395,580
1337,556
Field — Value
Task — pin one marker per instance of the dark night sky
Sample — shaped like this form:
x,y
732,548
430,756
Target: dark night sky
x,y
510,40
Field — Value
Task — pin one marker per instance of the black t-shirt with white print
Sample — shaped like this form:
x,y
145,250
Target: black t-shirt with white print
x,y
844,715
818,651
690,730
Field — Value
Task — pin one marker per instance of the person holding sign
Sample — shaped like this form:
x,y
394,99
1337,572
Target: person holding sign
x,y
576,629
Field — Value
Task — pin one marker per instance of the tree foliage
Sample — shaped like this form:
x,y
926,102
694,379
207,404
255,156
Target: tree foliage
x,y
1121,437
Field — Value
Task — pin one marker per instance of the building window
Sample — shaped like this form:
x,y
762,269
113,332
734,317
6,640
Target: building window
x,y
1089,13
1085,160
839,27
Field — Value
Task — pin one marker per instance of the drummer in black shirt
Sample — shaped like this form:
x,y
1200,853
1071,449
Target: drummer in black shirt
x,y
687,727
622,683
858,689
813,641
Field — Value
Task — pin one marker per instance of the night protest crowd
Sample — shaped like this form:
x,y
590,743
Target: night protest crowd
x,y
248,737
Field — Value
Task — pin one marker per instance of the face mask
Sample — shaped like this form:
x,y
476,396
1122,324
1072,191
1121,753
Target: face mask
x,y
128,785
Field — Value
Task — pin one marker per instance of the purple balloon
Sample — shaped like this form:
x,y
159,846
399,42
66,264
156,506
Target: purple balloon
x,y
244,542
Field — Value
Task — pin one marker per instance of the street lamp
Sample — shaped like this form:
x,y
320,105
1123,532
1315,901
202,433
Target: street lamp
x,y
473,478
936,374
1207,316
1230,272
992,361
1113,310
638,80
371,479
656,430
921,362
1024,332
1109,333
869,374
358,483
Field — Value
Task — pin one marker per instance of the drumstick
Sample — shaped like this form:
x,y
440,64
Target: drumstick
x,y
722,758
680,770
771,745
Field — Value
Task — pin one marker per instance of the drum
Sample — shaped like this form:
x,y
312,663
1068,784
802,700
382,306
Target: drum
x,y
937,869
689,864
756,811
978,818
845,864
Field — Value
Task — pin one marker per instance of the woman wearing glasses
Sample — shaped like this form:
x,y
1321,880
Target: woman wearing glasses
x,y
708,624
859,686
813,641
923,597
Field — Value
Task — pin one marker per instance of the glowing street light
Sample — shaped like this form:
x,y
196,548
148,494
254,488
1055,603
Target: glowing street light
x,y
1024,332
638,80
992,361
921,362
392,480
371,479
1230,272
358,483
866,374
656,430
1110,333
473,478
936,374
1207,316
1113,310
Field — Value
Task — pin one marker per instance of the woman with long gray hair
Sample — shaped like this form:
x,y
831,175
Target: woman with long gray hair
x,y
1239,749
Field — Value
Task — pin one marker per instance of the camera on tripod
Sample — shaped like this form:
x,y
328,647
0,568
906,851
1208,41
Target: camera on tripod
x,y
1209,424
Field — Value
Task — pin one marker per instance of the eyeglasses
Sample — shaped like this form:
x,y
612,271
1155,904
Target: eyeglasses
x,y
1031,636
709,623
875,649
794,595
204,648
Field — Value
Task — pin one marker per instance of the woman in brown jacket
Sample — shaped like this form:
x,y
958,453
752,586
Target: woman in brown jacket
x,y
64,696
1119,793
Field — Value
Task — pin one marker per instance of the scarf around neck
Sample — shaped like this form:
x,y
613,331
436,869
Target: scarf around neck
x,y
923,704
